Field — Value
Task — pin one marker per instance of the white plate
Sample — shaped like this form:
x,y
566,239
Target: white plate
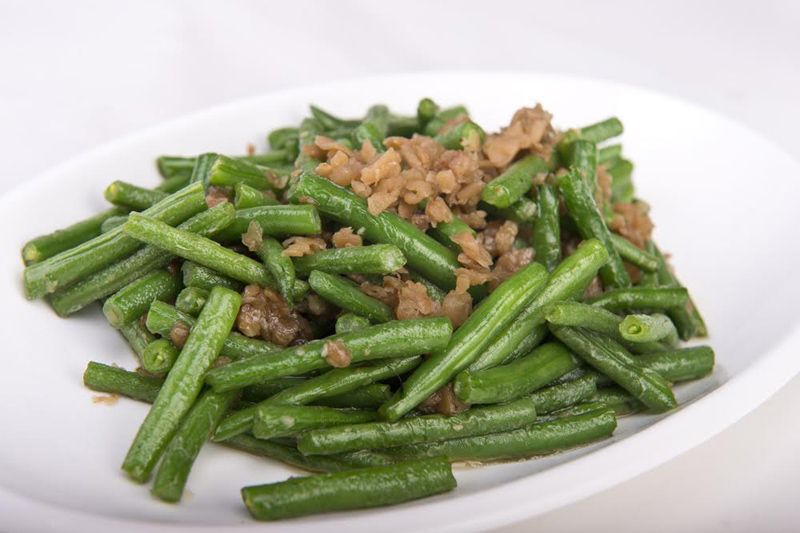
x,y
723,199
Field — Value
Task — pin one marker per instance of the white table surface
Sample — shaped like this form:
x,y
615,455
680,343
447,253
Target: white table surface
x,y
77,74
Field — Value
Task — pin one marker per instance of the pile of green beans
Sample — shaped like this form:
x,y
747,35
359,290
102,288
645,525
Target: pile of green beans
x,y
351,374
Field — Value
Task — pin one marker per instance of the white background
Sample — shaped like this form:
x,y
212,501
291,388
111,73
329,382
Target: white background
x,y
77,74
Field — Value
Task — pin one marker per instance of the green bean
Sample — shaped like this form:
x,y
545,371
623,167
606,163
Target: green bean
x,y
183,383
528,330
433,290
507,382
133,300
195,429
496,312
680,365
418,430
131,196
173,184
345,294
609,155
245,197
275,220
462,136
597,133
428,257
378,115
350,322
633,254
280,266
113,222
619,400
280,137
687,319
445,231
582,155
563,395
309,129
583,210
117,275
202,277
330,122
512,184
191,300
171,166
46,246
538,439
402,126
330,384
583,315
648,328
642,298
400,338
522,211
201,250
356,489
201,171
93,255
547,229
369,396
426,111
287,454
596,319
273,421
138,337
621,185
114,380
608,357
159,356
227,172
162,317
444,116
374,259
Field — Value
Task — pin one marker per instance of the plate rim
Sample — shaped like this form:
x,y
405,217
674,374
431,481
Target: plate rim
x,y
730,402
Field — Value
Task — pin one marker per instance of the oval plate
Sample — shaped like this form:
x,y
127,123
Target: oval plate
x,y
724,200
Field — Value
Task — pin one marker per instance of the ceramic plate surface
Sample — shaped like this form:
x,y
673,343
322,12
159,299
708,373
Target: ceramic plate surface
x,y
725,203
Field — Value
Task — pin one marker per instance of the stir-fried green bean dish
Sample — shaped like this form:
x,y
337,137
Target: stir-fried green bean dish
x,y
373,299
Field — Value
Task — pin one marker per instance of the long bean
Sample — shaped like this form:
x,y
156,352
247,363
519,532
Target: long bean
x,y
227,172
608,357
582,155
350,322
369,396
272,421
496,312
280,266
509,186
202,277
563,395
46,246
132,301
159,356
93,255
401,338
633,254
345,294
114,380
330,384
275,220
687,319
538,439
162,317
420,429
583,210
597,132
374,259
547,228
131,196
608,155
183,383
507,382
566,281
191,300
245,197
356,489
116,276
138,337
423,253
193,432
682,364
642,298
648,328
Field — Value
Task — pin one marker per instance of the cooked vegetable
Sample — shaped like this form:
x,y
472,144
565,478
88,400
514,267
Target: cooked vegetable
x,y
642,298
132,301
375,259
514,182
356,489
345,294
183,383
